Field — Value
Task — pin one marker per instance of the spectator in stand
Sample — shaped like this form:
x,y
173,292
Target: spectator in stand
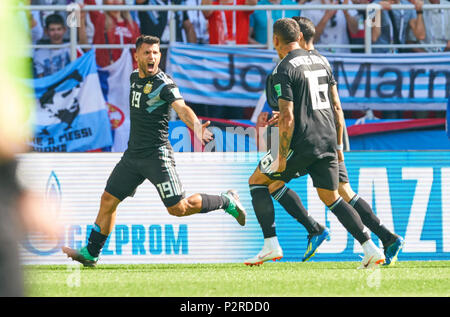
x,y
134,14
50,60
332,25
199,22
31,21
36,27
358,37
112,27
44,14
437,29
392,30
258,19
156,23
394,24
228,27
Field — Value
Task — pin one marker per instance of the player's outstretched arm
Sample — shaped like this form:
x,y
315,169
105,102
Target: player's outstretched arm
x,y
188,116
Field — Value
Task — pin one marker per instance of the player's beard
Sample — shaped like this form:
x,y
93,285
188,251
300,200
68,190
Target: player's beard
x,y
143,66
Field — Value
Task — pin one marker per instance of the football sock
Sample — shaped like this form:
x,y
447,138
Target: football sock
x,y
371,221
264,210
272,243
350,219
96,241
213,202
292,203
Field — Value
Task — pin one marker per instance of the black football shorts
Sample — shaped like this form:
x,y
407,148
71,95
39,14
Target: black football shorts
x,y
159,169
324,171
343,175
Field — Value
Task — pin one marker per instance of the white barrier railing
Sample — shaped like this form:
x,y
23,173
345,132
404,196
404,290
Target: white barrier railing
x,y
367,7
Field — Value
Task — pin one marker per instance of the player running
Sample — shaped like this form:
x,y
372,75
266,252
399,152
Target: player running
x,y
150,155
392,243
308,136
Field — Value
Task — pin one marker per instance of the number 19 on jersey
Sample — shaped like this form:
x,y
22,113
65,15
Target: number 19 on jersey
x,y
135,98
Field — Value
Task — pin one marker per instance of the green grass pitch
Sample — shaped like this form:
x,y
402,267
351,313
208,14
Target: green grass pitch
x,y
222,280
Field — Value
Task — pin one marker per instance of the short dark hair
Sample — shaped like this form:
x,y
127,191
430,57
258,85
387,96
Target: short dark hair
x,y
147,39
287,30
306,27
54,19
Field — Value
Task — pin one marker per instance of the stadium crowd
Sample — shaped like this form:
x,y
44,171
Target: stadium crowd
x,y
235,27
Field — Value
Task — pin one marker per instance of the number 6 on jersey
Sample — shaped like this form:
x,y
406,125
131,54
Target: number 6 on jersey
x,y
319,92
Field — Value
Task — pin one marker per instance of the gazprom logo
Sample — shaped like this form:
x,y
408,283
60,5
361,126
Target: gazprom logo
x,y
53,198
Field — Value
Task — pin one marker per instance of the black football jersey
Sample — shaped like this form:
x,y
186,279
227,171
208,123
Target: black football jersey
x,y
150,101
304,77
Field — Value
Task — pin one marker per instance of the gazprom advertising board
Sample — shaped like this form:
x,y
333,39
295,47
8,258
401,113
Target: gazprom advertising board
x,y
409,191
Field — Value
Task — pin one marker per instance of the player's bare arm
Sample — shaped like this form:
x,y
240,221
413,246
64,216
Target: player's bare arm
x,y
339,119
286,129
286,126
188,116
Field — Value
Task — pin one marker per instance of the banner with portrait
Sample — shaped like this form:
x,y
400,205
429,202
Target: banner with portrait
x,y
71,113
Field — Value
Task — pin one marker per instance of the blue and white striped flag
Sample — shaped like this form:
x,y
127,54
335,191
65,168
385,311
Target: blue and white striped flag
x,y
219,75
447,123
408,81
71,113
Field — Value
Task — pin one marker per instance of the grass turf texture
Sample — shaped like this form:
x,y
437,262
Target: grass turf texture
x,y
271,279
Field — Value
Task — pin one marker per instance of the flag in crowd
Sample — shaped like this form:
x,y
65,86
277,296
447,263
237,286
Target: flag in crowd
x,y
71,112
236,77
85,108
115,83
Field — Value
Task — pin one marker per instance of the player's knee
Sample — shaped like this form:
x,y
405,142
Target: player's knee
x,y
255,178
346,192
328,197
275,186
341,191
109,202
251,179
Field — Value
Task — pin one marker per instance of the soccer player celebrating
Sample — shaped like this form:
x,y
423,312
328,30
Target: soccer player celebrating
x,y
308,139
392,243
150,155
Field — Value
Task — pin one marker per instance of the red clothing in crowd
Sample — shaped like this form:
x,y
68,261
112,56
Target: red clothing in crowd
x,y
219,33
122,33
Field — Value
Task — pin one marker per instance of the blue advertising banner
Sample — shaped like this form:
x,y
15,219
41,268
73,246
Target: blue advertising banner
x,y
447,123
409,192
71,113
236,77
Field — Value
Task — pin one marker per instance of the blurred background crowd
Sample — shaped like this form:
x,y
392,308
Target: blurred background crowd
x,y
236,28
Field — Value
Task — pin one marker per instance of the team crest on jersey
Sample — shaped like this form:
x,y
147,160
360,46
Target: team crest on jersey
x,y
148,88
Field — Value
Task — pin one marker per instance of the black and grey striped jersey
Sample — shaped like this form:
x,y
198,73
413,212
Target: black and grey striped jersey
x,y
150,102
